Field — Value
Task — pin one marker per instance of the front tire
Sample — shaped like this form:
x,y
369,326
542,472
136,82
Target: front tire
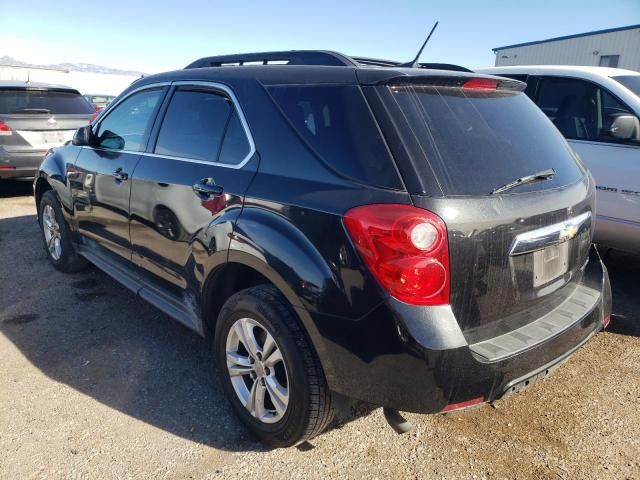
x,y
57,237
270,371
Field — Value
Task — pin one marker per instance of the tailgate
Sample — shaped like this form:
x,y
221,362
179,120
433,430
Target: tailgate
x,y
514,260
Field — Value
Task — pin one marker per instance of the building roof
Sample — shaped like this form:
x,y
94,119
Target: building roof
x,y
566,37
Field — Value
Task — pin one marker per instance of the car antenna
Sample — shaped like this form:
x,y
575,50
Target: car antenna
x,y
414,63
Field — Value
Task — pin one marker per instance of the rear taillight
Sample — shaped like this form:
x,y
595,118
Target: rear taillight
x,y
606,321
4,129
99,107
481,84
93,117
406,250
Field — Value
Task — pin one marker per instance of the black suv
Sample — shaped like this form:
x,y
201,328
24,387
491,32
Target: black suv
x,y
35,117
416,238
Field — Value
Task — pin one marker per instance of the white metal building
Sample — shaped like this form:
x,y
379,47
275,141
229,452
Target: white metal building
x,y
615,47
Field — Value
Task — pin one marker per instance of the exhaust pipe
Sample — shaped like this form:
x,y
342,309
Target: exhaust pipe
x,y
399,424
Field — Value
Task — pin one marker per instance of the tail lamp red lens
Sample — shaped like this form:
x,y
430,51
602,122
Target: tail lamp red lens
x,y
4,129
405,248
93,117
481,84
606,321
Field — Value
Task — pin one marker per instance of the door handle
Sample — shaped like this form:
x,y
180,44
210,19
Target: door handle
x,y
208,188
119,175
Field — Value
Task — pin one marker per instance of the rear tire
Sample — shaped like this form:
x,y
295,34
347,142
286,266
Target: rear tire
x,y
262,314
57,236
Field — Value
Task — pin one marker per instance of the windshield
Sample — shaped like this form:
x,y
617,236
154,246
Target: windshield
x,y
470,142
25,101
632,82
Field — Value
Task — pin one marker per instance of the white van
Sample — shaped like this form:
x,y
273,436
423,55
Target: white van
x,y
597,110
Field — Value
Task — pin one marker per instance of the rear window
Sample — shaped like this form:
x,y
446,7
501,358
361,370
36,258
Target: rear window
x,y
26,101
337,125
469,142
632,82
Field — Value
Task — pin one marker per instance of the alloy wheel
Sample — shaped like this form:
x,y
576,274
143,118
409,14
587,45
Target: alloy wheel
x,y
257,370
52,234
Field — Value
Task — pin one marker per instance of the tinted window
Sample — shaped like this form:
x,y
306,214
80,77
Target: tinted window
x,y
580,110
194,125
571,105
519,77
126,126
235,146
632,82
337,125
61,102
469,142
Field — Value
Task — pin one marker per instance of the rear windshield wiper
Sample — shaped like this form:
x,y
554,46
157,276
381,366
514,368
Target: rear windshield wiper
x,y
536,177
32,110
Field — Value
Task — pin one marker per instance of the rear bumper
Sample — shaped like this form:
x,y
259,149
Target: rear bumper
x,y
404,362
20,164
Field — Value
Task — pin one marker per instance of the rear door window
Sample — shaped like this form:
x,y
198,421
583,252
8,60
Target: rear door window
x,y
469,142
43,101
202,125
336,124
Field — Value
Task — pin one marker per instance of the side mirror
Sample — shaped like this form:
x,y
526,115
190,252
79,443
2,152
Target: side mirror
x,y
83,136
625,127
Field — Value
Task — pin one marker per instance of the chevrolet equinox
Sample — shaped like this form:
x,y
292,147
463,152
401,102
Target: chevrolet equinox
x,y
416,238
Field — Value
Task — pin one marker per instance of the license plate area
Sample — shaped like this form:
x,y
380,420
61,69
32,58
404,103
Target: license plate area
x,y
43,139
550,263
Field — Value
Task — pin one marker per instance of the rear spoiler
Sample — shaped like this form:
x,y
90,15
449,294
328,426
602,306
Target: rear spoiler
x,y
439,79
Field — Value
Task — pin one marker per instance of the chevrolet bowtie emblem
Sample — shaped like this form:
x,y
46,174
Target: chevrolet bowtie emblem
x,y
52,121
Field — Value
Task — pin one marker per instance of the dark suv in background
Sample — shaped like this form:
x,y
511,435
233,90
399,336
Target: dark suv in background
x,y
416,238
35,117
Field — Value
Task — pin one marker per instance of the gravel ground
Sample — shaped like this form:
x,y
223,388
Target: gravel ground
x,y
95,383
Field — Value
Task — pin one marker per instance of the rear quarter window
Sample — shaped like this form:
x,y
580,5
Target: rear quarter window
x,y
469,142
23,101
336,123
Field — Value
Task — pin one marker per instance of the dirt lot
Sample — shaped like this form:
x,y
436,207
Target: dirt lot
x,y
95,383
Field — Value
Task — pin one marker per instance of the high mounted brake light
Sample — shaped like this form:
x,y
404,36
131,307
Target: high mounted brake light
x,y
406,250
481,83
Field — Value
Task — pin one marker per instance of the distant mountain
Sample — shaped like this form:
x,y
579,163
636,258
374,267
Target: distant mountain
x,y
75,67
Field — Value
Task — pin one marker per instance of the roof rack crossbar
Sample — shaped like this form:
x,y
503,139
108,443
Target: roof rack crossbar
x,y
293,57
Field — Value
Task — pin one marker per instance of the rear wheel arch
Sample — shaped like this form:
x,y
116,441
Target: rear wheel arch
x,y
40,188
245,271
232,277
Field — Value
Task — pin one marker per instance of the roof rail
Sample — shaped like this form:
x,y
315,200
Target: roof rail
x,y
292,57
309,57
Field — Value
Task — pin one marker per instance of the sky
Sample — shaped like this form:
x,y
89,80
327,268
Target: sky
x,y
166,35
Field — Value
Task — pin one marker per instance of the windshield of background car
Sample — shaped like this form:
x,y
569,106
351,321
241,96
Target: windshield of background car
x,y
38,101
471,141
632,82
